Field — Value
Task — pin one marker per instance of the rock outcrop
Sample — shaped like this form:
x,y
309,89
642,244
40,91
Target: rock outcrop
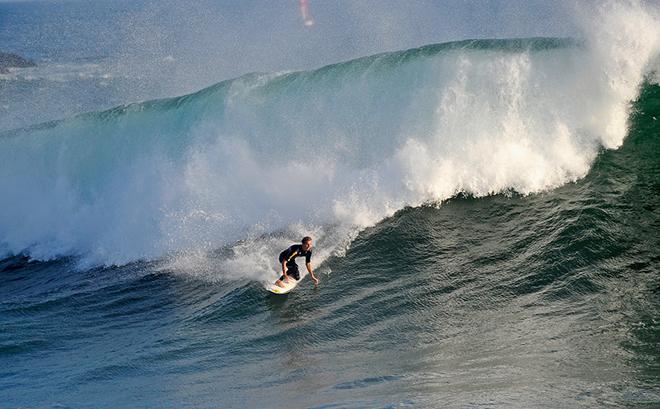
x,y
12,60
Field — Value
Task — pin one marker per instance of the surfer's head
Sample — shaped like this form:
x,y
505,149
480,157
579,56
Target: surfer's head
x,y
307,243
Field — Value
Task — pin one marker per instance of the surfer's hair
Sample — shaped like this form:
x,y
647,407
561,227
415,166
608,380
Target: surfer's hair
x,y
306,239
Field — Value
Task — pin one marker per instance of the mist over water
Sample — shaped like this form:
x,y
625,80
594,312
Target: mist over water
x,y
116,52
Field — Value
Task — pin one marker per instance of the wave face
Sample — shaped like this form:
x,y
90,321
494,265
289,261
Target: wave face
x,y
341,146
503,301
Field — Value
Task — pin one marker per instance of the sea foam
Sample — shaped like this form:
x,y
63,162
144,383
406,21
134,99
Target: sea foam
x,y
253,163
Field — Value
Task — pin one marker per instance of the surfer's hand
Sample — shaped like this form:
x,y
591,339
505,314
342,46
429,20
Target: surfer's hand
x,y
316,281
286,278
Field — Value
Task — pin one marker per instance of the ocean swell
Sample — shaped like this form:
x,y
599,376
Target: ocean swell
x,y
266,157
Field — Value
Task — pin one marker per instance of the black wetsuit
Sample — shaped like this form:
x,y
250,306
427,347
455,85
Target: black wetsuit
x,y
290,255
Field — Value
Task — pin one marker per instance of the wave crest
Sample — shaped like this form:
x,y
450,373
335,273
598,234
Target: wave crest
x,y
345,145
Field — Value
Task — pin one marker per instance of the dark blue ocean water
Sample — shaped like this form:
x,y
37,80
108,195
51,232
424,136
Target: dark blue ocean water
x,y
486,233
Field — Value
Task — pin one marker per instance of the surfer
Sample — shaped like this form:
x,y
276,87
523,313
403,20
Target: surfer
x,y
288,260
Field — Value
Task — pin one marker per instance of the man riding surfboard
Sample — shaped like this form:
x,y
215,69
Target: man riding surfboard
x,y
288,260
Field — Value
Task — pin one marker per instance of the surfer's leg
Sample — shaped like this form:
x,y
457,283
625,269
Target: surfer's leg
x,y
280,281
292,271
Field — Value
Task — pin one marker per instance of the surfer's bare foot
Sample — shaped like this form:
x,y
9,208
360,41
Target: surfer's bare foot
x,y
279,283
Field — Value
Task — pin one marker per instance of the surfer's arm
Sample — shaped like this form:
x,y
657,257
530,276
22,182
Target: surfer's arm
x,y
284,268
311,273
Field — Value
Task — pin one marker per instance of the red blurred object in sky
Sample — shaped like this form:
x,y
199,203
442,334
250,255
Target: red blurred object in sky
x,y
304,10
